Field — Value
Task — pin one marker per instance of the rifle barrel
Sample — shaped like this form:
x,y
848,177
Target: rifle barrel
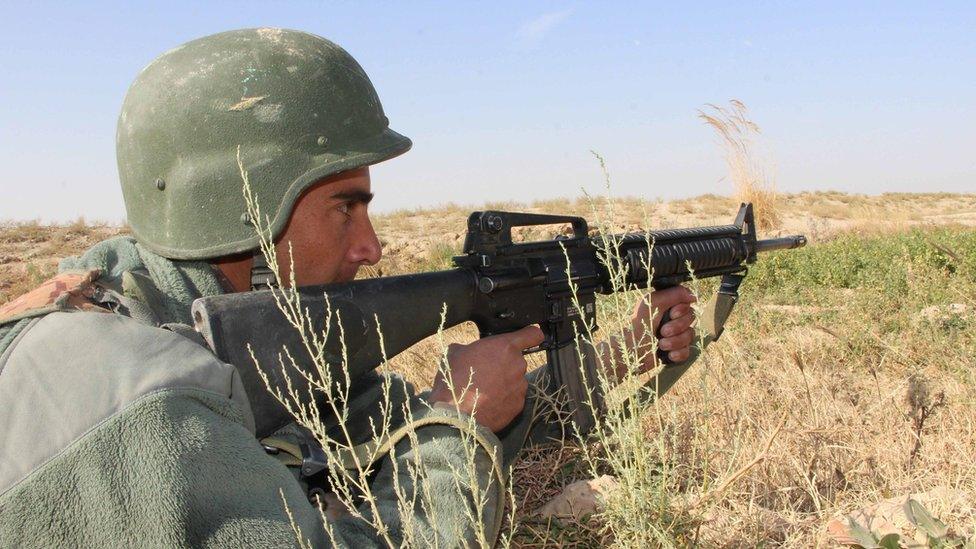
x,y
784,243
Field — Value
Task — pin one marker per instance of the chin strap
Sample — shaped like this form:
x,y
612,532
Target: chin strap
x,y
262,278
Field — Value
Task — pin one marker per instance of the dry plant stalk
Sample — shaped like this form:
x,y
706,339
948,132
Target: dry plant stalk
x,y
921,405
750,175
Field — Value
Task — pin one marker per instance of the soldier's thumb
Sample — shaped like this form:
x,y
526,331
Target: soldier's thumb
x,y
663,300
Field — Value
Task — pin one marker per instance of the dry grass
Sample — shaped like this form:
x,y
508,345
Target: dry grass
x,y
832,354
837,366
852,368
750,173
831,338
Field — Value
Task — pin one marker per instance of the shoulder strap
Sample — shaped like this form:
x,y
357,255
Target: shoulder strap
x,y
81,290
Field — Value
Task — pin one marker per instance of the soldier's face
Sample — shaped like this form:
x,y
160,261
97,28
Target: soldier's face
x,y
330,232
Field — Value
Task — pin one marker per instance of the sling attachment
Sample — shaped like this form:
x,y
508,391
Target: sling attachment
x,y
262,278
307,455
287,452
121,304
313,459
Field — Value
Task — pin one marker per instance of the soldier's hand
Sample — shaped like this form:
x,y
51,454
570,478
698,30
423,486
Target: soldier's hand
x,y
488,377
677,335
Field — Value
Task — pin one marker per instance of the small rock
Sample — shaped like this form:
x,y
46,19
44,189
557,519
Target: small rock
x,y
580,498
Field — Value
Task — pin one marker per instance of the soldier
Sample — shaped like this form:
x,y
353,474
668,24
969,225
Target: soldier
x,y
118,428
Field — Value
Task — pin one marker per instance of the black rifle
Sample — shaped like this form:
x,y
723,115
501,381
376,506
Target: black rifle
x,y
499,285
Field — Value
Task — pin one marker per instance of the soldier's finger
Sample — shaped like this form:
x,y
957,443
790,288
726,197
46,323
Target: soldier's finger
x,y
677,325
677,342
527,337
680,355
681,309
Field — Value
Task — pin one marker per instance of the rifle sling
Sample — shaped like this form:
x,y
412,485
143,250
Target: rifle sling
x,y
362,456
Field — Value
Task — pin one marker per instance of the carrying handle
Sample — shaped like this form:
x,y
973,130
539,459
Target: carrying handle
x,y
490,230
504,222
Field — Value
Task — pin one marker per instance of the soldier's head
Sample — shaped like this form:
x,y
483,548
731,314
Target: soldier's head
x,y
304,120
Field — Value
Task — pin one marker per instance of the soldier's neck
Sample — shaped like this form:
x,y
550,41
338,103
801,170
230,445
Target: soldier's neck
x,y
234,272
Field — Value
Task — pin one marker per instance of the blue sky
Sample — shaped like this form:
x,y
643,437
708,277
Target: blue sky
x,y
504,100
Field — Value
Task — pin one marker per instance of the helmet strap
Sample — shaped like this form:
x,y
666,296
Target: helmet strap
x,y
262,277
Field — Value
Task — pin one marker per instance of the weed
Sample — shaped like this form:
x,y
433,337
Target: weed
x,y
922,404
752,178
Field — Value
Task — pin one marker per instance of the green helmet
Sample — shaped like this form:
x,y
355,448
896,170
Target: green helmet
x,y
298,107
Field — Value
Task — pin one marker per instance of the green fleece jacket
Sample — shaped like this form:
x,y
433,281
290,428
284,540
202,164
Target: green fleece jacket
x,y
119,432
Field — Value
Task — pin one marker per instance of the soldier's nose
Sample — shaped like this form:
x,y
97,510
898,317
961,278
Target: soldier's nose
x,y
366,249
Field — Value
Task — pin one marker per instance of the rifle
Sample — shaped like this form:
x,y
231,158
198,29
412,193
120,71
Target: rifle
x,y
498,284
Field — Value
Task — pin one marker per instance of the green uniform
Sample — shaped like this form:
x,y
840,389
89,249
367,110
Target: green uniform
x,y
122,429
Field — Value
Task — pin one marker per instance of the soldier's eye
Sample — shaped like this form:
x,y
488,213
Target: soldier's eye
x,y
344,209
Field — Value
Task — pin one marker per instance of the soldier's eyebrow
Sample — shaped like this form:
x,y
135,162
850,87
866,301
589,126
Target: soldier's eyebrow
x,y
361,197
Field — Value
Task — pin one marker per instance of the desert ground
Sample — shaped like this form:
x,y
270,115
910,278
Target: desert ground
x,y
844,383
